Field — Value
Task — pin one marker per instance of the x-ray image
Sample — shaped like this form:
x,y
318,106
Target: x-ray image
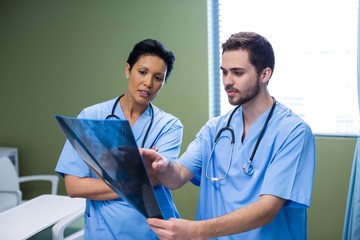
x,y
109,149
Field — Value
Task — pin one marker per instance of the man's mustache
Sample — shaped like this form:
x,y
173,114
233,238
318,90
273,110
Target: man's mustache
x,y
230,88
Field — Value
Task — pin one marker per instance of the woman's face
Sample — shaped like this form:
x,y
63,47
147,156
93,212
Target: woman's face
x,y
146,78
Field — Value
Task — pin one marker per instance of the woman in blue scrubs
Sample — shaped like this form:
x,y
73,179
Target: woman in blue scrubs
x,y
255,165
107,216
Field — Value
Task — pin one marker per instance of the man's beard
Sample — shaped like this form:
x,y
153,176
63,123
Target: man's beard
x,y
247,95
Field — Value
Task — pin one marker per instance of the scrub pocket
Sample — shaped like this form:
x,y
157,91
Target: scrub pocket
x,y
96,227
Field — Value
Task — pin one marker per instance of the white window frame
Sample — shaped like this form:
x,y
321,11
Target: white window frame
x,y
316,94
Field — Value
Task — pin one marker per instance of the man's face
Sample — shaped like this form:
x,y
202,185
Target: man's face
x,y
239,77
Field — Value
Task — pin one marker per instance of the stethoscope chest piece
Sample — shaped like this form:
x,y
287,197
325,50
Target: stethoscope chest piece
x,y
248,168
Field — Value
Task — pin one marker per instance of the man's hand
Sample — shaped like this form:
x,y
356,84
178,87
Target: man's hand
x,y
175,229
170,174
154,162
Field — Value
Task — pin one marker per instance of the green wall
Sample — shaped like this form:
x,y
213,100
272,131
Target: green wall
x,y
56,57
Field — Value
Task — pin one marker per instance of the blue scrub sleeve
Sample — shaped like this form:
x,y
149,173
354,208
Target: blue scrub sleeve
x,y
290,174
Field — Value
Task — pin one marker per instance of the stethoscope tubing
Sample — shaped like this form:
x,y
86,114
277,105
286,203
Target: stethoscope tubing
x,y
248,167
112,115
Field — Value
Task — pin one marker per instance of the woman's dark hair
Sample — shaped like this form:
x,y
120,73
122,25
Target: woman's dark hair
x,y
152,47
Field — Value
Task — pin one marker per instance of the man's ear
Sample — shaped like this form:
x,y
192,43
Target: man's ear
x,y
266,75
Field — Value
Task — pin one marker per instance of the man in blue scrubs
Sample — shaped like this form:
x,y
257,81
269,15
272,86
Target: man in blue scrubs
x,y
107,216
256,174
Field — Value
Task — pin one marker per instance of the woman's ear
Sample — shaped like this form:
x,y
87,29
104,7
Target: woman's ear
x,y
127,71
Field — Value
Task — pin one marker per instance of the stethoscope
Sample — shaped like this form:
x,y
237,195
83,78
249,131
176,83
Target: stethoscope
x,y
248,167
112,115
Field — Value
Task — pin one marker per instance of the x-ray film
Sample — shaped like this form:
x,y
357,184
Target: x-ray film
x,y
109,149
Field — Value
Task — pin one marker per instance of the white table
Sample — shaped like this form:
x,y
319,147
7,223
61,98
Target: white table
x,y
37,214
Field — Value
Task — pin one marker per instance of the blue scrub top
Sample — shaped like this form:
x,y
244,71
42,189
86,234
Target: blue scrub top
x,y
116,219
284,166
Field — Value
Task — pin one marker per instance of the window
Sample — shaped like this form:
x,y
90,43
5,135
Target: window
x,y
315,44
